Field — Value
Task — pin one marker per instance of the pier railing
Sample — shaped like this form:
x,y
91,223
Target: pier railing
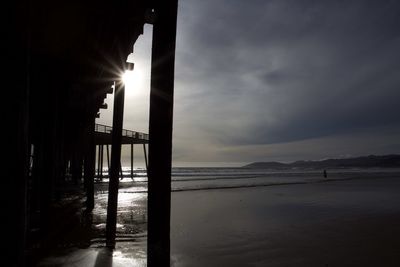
x,y
127,133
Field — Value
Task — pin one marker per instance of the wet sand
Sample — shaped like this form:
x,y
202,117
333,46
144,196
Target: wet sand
x,y
339,223
336,223
131,233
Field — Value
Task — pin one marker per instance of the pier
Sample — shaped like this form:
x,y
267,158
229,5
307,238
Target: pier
x,y
103,139
64,60
103,136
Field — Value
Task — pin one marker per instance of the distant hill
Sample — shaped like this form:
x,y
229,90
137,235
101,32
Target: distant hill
x,y
387,161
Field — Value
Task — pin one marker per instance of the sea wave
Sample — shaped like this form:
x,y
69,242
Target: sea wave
x,y
230,179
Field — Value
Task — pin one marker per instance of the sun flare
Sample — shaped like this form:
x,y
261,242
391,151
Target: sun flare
x,y
133,80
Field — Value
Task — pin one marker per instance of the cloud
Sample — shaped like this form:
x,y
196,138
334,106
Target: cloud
x,y
265,72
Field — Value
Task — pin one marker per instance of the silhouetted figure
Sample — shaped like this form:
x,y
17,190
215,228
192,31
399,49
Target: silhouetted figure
x,y
325,175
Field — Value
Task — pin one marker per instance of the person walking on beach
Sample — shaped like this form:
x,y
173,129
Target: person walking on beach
x,y
325,175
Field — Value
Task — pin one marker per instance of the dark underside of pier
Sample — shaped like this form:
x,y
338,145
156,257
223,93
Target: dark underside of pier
x,y
65,57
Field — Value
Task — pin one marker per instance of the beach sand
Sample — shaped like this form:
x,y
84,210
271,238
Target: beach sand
x,y
334,223
339,223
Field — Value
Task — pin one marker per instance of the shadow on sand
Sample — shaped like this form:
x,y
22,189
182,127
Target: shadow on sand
x,y
104,258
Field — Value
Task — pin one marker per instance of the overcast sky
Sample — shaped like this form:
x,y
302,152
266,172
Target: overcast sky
x,y
278,81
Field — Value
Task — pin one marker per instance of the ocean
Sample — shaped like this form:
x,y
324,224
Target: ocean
x,y
203,178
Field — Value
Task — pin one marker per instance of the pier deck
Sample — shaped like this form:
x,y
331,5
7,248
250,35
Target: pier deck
x,y
103,136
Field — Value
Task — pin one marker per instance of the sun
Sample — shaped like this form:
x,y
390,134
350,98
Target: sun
x,y
133,80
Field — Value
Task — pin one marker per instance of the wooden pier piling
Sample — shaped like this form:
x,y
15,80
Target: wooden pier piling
x,y
108,160
118,114
90,166
160,131
145,157
98,161
132,160
101,162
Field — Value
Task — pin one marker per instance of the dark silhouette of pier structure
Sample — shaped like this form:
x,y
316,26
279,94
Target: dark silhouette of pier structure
x,y
62,59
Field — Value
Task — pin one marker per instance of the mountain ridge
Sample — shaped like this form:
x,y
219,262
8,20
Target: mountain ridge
x,y
370,161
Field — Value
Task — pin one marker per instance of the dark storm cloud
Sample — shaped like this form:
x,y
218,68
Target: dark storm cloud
x,y
262,72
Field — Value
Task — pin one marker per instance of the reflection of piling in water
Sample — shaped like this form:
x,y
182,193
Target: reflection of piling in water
x,y
57,94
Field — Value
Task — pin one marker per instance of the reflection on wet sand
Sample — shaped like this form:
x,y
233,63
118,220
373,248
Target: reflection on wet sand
x,y
84,244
